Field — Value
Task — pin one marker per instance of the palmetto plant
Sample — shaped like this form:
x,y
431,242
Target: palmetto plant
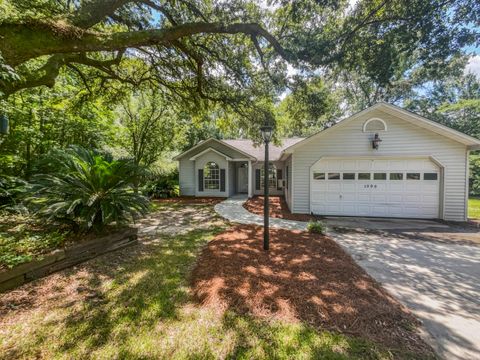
x,y
87,189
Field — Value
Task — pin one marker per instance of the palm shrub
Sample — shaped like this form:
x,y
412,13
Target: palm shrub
x,y
11,191
87,189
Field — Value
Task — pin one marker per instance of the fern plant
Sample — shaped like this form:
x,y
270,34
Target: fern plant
x,y
87,189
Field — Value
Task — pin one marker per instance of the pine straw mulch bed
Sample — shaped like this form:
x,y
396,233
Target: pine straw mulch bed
x,y
304,277
278,208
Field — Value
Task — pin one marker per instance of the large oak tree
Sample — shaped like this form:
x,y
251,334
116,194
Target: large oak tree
x,y
229,51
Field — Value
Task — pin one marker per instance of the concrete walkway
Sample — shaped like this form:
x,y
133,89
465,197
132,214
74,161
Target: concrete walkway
x,y
437,280
232,210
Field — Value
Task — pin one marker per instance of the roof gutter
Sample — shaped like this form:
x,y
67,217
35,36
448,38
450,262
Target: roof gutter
x,y
473,147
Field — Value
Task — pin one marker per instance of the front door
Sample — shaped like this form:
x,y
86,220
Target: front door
x,y
242,178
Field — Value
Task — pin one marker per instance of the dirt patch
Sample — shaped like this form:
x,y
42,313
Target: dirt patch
x,y
278,208
303,277
191,200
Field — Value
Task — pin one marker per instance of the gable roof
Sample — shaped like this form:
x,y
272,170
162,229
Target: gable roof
x,y
212,140
469,141
258,151
245,147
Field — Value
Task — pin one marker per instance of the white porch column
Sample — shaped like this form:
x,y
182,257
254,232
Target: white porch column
x,y
250,188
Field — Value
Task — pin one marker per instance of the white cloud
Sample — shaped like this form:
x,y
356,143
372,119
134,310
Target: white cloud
x,y
473,65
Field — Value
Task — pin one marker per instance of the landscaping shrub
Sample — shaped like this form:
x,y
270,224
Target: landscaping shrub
x,y
475,175
317,227
10,189
163,186
87,190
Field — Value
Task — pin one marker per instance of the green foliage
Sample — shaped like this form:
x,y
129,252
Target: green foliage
x,y
46,119
22,239
310,107
475,175
87,190
317,227
148,126
11,188
163,186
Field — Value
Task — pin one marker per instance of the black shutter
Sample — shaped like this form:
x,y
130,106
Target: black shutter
x,y
222,180
279,177
257,179
200,179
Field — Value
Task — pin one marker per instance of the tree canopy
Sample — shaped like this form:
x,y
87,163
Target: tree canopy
x,y
234,52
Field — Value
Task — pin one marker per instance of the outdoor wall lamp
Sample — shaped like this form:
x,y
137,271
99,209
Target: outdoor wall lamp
x,y
376,142
4,128
267,132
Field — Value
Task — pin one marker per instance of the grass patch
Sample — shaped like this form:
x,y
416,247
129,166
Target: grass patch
x,y
23,239
474,208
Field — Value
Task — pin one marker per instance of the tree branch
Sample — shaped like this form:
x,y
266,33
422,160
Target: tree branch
x,y
22,42
94,11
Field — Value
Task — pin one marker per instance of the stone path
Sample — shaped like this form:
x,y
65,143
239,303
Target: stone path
x,y
171,220
232,210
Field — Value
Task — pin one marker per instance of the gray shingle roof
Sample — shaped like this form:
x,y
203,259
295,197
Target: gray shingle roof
x,y
258,152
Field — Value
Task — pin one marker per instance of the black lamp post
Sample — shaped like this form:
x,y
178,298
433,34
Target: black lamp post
x,y
267,132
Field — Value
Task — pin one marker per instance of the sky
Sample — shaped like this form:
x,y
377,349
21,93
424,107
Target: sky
x,y
473,65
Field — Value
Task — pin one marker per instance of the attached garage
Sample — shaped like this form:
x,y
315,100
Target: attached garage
x,y
394,187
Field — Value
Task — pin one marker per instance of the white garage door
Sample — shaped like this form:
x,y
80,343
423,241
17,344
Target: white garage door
x,y
370,187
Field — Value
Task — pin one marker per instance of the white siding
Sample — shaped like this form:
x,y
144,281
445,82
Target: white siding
x,y
402,138
200,163
186,174
288,191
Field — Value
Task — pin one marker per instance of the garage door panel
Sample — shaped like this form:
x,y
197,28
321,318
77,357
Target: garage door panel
x,y
333,196
350,196
395,198
379,198
363,197
347,186
334,186
380,186
395,185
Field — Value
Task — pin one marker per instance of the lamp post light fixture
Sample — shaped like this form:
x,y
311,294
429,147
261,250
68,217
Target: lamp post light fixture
x,y
376,141
267,132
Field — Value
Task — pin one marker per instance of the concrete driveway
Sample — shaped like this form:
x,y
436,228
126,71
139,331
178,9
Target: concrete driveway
x,y
433,268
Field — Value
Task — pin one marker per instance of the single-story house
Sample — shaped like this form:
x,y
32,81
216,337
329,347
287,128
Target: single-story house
x,y
383,161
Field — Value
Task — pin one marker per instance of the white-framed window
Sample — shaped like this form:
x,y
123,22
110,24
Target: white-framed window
x,y
272,177
374,125
211,176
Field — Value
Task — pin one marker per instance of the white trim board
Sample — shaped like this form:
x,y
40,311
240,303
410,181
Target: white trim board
x,y
208,150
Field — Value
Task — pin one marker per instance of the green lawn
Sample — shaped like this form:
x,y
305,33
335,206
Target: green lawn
x,y
474,208
136,304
